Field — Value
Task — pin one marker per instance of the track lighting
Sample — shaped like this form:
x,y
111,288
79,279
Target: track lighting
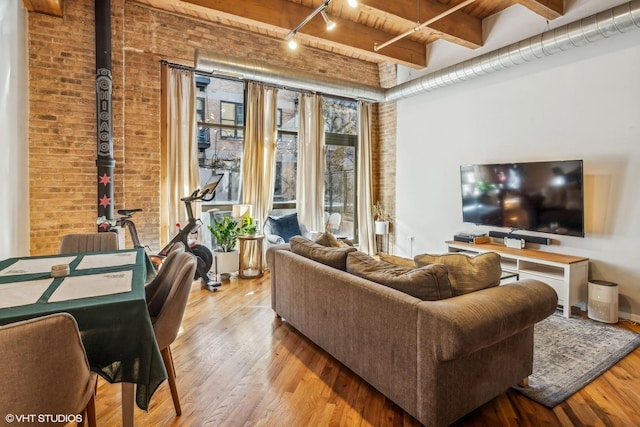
x,y
330,24
319,9
293,44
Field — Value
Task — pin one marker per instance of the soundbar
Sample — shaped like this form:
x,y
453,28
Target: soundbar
x,y
530,239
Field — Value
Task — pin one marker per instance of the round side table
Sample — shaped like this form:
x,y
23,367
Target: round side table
x,y
250,247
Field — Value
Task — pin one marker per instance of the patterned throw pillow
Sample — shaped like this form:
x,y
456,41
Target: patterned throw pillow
x,y
428,283
467,273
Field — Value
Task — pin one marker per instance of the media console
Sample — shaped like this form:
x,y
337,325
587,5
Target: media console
x,y
567,274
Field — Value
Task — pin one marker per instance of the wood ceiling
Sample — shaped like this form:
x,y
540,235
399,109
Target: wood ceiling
x,y
358,29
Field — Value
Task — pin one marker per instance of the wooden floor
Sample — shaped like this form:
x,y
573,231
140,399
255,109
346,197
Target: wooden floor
x,y
238,365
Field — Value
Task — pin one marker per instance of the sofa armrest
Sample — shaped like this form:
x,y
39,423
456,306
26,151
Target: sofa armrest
x,y
470,322
271,265
274,239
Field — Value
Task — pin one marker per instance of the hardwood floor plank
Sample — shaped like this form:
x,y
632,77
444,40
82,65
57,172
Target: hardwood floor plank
x,y
237,364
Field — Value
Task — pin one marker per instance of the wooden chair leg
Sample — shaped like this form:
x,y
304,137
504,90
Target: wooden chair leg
x,y
91,411
171,374
524,382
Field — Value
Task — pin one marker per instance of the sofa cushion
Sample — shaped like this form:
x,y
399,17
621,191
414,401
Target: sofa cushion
x,y
397,260
467,273
328,239
285,226
428,283
331,256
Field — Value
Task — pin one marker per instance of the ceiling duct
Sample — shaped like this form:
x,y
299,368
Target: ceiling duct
x,y
617,20
225,65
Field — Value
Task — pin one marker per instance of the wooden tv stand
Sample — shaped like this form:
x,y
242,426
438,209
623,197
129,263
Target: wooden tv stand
x,y
566,274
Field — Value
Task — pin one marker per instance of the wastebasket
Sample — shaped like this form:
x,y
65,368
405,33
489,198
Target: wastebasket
x,y
603,301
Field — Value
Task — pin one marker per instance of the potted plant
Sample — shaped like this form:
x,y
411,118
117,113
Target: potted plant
x,y
226,231
382,218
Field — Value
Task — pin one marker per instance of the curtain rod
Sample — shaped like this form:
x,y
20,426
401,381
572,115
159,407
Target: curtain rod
x,y
291,88
177,66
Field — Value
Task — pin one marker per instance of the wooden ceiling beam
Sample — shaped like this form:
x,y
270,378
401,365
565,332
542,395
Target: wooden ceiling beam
x,y
49,7
459,27
549,9
282,16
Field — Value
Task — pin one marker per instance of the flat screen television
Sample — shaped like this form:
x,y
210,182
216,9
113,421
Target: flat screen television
x,y
546,197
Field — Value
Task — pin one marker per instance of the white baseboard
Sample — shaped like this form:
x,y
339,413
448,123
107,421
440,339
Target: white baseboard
x,y
629,316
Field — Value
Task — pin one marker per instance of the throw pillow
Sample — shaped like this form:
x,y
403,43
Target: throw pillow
x,y
328,239
397,260
285,226
467,273
333,257
429,283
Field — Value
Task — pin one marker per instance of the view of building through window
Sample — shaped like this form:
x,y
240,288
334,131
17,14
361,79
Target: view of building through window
x,y
220,113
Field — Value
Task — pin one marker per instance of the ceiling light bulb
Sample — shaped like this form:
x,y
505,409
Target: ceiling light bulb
x,y
353,3
330,24
293,44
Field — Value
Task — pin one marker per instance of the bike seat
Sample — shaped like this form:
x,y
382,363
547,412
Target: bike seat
x,y
128,212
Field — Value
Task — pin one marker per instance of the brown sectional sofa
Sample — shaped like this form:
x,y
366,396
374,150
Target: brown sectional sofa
x,y
438,360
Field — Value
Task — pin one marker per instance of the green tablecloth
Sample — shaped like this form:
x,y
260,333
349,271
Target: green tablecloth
x,y
116,329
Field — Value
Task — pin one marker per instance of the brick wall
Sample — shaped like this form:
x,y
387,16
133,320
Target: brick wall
x,y
62,130
384,149
62,122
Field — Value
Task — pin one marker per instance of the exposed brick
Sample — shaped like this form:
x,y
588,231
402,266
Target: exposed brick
x,y
62,110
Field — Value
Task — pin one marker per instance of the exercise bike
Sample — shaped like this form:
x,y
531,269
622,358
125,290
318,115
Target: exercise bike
x,y
201,252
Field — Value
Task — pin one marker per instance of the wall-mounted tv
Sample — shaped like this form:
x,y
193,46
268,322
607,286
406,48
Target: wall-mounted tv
x,y
546,197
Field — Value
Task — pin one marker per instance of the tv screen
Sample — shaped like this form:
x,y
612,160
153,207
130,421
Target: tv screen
x,y
546,197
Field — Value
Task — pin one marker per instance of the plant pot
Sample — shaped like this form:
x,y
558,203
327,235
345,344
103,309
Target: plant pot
x,y
382,227
227,262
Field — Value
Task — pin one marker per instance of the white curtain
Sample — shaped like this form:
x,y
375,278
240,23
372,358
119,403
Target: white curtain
x,y
311,163
259,164
179,173
366,235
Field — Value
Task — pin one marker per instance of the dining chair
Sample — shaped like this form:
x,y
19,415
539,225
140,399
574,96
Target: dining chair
x,y
157,290
167,317
45,369
88,242
334,222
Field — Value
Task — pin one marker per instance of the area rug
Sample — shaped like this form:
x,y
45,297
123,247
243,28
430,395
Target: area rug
x,y
570,353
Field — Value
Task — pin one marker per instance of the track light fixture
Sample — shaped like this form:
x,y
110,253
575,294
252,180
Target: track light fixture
x,y
293,44
319,9
330,24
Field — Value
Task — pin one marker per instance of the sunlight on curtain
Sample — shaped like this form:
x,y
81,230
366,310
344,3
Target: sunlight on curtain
x,y
366,236
311,163
179,159
259,163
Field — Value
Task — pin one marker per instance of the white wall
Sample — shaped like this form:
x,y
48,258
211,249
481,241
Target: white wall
x,y
14,178
581,104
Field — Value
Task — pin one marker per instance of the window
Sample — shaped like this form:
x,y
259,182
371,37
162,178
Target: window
x,y
284,195
232,115
220,112
340,174
220,108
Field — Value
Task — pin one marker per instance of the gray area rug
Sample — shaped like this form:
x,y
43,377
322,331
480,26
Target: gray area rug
x,y
570,353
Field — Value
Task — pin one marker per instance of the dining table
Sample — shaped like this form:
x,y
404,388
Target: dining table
x,y
104,292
